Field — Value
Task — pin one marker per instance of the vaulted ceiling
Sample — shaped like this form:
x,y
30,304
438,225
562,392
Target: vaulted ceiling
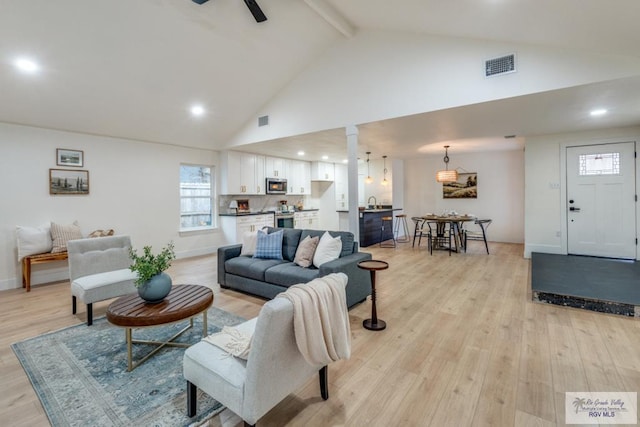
x,y
133,69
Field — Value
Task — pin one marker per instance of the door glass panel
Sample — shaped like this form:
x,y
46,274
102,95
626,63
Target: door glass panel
x,y
599,164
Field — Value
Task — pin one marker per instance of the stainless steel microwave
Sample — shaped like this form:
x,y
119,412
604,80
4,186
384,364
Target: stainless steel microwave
x,y
276,186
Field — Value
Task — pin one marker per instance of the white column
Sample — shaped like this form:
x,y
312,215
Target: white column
x,y
352,173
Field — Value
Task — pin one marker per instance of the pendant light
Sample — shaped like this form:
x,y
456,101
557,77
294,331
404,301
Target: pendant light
x,y
384,180
446,175
369,180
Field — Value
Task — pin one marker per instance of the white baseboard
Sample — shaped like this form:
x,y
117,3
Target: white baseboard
x,y
547,249
37,278
7,284
197,252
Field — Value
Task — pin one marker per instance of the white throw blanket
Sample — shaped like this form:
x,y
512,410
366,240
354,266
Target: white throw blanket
x,y
320,319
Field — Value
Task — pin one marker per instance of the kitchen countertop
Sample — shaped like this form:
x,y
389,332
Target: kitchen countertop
x,y
373,210
264,212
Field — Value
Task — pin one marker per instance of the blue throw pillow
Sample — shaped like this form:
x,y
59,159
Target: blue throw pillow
x,y
269,246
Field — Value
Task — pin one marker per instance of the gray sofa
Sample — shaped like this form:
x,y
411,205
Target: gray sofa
x,y
268,277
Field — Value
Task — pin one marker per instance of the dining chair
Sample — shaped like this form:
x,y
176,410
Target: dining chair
x,y
483,225
440,234
419,229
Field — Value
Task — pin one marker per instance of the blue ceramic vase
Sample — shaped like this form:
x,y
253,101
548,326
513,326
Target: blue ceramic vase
x,y
156,288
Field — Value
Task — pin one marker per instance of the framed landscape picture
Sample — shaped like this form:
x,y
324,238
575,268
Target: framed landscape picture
x,y
66,157
67,181
466,187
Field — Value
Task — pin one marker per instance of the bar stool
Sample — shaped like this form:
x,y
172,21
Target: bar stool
x,y
387,224
401,221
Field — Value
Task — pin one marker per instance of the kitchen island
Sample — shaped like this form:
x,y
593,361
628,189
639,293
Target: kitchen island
x,y
370,223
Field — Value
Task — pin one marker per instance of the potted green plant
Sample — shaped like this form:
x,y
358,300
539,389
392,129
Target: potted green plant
x,y
152,283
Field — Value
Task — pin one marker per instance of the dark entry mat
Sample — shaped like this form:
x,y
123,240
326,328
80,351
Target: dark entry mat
x,y
603,284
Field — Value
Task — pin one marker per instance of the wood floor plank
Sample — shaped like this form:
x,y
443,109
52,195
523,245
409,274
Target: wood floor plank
x,y
599,368
524,419
566,363
461,396
536,397
500,382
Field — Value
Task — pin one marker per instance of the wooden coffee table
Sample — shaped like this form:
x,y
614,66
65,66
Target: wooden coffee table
x,y
183,302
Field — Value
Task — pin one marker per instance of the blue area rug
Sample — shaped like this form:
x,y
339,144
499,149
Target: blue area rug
x,y
80,375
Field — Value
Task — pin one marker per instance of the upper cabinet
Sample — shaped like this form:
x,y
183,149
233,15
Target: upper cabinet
x,y
322,171
241,173
276,167
299,178
342,187
245,173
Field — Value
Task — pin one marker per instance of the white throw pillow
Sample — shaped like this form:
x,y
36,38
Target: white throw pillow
x,y
328,249
33,240
249,240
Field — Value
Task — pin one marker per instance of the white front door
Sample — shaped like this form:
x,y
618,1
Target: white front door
x,y
601,206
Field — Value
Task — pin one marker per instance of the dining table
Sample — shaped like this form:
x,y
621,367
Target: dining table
x,y
456,228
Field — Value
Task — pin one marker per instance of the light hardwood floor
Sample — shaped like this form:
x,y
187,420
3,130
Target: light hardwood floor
x,y
464,346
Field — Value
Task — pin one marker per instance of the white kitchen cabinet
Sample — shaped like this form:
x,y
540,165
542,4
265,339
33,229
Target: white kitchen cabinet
x,y
276,167
322,171
309,220
234,227
241,173
341,185
261,185
299,178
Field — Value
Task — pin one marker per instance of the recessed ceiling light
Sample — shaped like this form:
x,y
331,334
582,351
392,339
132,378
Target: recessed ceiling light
x,y
26,65
598,112
300,153
345,161
197,110
325,157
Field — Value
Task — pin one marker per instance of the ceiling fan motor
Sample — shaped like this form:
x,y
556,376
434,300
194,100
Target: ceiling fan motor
x,y
251,4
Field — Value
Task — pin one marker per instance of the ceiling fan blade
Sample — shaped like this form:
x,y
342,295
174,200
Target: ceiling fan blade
x,y
255,10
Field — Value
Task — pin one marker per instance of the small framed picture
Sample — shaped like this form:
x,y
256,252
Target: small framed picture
x,y
68,181
66,157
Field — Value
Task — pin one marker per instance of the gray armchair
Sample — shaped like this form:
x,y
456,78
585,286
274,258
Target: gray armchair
x,y
99,270
275,367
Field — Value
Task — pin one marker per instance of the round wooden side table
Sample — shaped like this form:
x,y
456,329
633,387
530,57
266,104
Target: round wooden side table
x,y
373,324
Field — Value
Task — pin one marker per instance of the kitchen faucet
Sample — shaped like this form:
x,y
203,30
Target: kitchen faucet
x,y
375,201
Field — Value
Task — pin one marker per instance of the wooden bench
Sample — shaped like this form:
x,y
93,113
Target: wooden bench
x,y
30,260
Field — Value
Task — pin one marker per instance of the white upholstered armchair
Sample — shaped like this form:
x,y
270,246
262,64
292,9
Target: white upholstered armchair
x,y
99,270
274,369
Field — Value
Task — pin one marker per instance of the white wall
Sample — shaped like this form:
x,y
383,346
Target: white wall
x,y
500,190
545,230
381,75
134,189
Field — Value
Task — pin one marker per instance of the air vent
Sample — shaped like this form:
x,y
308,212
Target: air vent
x,y
503,65
263,121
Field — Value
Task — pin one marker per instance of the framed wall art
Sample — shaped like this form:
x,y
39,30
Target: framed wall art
x,y
66,157
67,181
466,187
